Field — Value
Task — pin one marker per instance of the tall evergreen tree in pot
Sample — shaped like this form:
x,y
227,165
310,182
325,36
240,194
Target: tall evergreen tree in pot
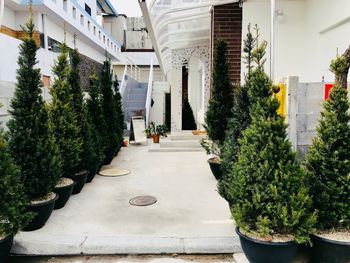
x,y
30,140
95,119
119,110
63,118
269,197
13,214
328,172
88,153
110,139
240,118
220,103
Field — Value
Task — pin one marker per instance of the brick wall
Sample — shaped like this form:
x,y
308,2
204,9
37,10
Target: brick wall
x,y
226,23
87,67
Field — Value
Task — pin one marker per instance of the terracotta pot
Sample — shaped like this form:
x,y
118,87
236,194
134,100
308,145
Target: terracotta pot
x,y
156,138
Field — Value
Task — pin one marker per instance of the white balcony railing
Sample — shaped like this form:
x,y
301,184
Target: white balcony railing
x,y
71,12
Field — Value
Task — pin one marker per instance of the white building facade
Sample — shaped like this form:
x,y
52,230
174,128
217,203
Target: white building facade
x,y
82,20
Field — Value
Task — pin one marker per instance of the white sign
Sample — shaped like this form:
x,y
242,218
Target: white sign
x,y
137,130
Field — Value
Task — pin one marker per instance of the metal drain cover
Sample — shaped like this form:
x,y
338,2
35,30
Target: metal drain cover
x,y
143,200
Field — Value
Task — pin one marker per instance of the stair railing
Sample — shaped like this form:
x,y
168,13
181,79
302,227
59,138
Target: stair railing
x,y
124,82
149,93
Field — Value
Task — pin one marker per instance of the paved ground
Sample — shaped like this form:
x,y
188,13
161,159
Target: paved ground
x,y
189,217
129,259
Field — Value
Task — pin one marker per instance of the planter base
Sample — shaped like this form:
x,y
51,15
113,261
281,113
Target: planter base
x,y
267,252
80,180
64,194
91,174
329,251
215,169
5,247
42,212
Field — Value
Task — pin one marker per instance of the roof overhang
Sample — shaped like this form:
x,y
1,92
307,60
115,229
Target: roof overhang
x,y
177,24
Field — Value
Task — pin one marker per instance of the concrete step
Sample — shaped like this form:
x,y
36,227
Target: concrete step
x,y
180,144
155,147
137,97
185,135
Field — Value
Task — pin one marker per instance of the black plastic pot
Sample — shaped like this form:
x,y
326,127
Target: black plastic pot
x,y
5,247
109,156
267,252
215,169
64,193
42,213
80,180
329,251
91,174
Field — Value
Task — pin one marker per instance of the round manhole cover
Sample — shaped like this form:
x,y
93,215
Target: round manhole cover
x,y
143,200
113,172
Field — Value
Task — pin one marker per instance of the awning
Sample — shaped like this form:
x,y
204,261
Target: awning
x,y
176,24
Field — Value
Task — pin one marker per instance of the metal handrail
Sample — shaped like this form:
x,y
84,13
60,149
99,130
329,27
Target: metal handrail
x,y
149,93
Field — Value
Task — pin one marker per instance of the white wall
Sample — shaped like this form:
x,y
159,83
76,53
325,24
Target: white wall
x,y
9,18
157,112
303,48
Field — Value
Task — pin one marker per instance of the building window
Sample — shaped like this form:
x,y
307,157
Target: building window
x,y
65,5
88,9
53,45
82,19
74,12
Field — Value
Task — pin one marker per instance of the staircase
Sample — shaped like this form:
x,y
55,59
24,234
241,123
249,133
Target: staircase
x,y
134,100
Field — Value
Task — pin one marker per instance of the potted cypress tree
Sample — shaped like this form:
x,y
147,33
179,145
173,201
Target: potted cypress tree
x,y
240,119
220,103
84,168
119,112
96,120
13,215
270,202
110,138
327,167
65,127
31,143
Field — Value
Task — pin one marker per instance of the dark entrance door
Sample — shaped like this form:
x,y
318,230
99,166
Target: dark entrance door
x,y
168,110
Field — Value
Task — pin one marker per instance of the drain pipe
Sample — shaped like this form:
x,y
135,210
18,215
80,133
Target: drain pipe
x,y
272,39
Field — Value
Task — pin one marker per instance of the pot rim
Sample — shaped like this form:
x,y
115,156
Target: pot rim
x,y
265,242
211,158
81,173
335,242
66,186
45,202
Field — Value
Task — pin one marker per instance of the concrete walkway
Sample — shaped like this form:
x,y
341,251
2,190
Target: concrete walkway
x,y
189,217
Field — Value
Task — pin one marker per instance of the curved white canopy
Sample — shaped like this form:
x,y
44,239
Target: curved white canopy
x,y
176,24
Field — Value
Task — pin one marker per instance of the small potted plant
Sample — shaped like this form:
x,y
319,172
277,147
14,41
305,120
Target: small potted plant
x,y
157,131
328,173
213,149
148,132
270,202
13,215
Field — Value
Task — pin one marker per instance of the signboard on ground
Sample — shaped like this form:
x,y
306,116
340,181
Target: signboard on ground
x,y
137,130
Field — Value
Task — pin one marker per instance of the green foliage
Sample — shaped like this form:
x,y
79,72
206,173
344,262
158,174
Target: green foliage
x,y
328,161
220,103
88,153
95,119
110,137
267,188
119,110
13,215
188,121
338,65
30,140
160,129
63,117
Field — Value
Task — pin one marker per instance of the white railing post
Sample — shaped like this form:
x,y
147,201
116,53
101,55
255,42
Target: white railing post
x,y
149,93
123,82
